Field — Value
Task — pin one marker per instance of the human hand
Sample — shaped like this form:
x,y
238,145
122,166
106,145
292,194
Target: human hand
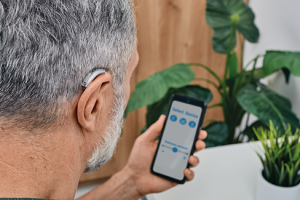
x,y
141,157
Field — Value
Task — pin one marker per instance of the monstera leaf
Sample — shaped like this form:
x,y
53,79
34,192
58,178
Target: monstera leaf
x,y
161,107
227,16
217,134
267,105
289,62
156,86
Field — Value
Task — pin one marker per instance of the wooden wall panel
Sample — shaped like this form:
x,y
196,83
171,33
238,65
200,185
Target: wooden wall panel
x,y
169,32
173,31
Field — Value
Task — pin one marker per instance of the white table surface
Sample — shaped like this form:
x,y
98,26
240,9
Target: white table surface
x,y
224,173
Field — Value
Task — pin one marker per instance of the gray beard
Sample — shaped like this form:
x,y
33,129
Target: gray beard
x,y
106,148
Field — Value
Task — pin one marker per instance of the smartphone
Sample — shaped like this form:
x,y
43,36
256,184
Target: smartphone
x,y
177,140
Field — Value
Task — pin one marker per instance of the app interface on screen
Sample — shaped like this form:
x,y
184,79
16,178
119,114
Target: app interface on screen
x,y
176,143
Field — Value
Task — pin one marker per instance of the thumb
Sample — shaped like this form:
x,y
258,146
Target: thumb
x,y
155,129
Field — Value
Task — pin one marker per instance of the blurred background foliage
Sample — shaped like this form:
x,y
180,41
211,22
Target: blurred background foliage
x,y
241,91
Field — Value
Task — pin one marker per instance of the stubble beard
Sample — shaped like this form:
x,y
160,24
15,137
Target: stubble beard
x,y
106,148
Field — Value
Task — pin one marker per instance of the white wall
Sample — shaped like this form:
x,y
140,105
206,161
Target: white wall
x,y
279,24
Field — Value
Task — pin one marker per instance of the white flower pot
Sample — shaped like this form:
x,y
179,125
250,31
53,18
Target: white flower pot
x,y
268,191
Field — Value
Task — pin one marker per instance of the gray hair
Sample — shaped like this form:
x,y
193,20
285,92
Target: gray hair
x,y
47,48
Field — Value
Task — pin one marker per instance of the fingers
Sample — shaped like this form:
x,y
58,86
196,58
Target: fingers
x,y
194,161
189,174
202,135
155,129
200,145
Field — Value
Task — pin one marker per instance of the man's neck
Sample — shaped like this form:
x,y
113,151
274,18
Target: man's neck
x,y
47,166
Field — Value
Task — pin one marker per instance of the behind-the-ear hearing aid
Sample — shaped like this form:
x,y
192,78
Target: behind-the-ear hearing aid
x,y
91,76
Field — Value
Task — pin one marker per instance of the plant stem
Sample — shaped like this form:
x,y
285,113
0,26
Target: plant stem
x,y
232,31
213,73
207,68
249,63
238,138
240,134
242,51
247,120
208,81
253,70
233,114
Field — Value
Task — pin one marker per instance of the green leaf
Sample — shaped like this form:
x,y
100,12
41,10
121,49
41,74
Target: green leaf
x,y
267,105
221,15
275,60
287,74
297,180
281,155
161,107
233,65
156,86
249,130
258,74
217,134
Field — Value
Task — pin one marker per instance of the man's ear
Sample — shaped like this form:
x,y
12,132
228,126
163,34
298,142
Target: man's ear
x,y
91,101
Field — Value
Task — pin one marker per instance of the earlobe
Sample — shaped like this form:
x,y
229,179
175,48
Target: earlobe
x,y
91,102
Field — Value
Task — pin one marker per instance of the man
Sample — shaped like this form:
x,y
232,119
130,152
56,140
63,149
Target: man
x,y
52,130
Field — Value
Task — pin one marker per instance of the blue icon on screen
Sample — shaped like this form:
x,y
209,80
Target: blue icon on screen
x,y
182,121
184,158
192,124
173,118
174,149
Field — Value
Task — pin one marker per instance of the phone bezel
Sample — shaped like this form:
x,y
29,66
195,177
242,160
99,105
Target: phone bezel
x,y
188,100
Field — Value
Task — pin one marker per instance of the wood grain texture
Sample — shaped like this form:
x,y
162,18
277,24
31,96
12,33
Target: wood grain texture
x,y
169,32
174,31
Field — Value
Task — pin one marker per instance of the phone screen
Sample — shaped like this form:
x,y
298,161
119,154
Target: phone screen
x,y
177,140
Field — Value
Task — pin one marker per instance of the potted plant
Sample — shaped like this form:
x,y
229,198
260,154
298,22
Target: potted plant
x,y
241,91
280,158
